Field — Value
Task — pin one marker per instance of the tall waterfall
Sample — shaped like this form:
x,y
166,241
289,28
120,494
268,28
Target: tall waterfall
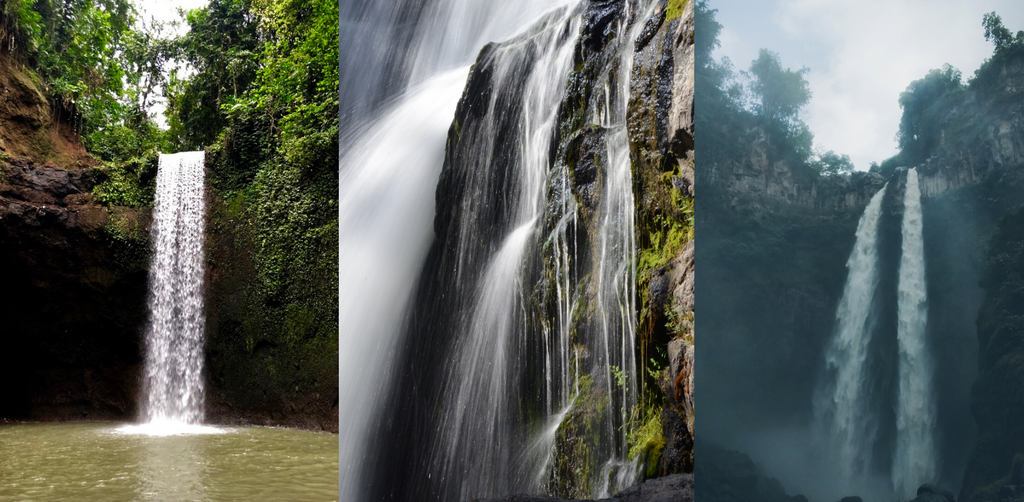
x,y
841,407
519,369
401,80
914,461
478,437
174,339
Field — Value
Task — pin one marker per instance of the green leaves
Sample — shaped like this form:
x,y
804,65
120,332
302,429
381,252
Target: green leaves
x,y
831,163
780,92
922,104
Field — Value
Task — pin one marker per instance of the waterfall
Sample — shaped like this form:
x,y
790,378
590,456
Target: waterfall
x,y
841,408
401,79
616,261
174,338
490,440
914,461
478,443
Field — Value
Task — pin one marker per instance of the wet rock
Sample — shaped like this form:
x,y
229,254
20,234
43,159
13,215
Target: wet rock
x,y
73,301
660,121
674,488
933,493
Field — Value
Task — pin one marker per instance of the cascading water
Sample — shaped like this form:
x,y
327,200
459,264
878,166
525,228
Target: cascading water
x,y
840,407
488,441
914,461
478,442
616,260
400,84
174,339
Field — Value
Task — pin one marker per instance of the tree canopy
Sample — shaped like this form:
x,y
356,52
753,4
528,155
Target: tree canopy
x,y
926,100
780,93
922,104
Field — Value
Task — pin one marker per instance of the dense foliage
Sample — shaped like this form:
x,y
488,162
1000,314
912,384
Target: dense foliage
x,y
926,100
255,84
767,97
264,102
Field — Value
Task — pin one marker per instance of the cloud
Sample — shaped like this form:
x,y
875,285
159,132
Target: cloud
x,y
863,54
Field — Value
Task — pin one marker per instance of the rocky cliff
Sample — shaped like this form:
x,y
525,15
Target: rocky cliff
x,y
568,283
660,121
73,301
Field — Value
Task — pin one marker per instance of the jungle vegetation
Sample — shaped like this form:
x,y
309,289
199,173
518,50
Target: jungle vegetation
x,y
255,84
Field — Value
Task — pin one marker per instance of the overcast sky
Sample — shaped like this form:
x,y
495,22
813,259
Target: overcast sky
x,y
166,11
862,54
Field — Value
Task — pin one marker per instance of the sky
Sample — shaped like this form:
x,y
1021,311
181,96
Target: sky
x,y
862,54
166,11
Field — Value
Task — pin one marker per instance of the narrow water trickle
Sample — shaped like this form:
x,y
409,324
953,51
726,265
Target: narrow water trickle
x,y
841,409
914,461
174,339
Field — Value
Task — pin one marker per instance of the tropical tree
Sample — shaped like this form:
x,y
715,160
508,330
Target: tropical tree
x,y
779,92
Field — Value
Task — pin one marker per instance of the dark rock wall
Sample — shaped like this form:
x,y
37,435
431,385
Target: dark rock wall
x,y
74,298
661,131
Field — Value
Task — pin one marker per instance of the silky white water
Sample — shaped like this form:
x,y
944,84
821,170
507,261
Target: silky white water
x,y
841,409
173,385
616,270
389,168
478,441
914,461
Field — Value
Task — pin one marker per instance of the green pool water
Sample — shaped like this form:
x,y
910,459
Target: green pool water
x,y
111,462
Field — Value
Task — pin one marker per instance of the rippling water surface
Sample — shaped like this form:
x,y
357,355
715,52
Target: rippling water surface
x,y
111,462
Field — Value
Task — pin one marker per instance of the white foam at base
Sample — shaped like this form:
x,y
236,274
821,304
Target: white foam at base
x,y
161,428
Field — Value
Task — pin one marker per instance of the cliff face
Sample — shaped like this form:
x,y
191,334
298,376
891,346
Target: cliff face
x,y
762,180
981,137
73,301
74,296
660,121
254,376
567,334
981,162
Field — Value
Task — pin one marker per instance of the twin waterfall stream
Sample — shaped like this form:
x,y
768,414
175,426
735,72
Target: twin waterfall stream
x,y
846,413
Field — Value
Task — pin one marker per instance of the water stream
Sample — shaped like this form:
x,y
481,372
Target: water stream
x,y
914,461
841,409
401,81
173,386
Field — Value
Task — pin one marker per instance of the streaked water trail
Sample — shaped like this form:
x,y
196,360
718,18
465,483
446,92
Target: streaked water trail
x,y
841,409
914,461
173,384
400,82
